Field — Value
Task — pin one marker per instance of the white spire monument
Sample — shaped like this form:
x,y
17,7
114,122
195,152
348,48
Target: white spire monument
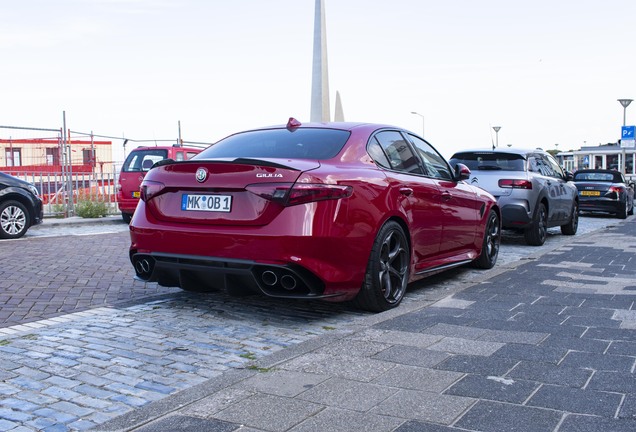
x,y
319,76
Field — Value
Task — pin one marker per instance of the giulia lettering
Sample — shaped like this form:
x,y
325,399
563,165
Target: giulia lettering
x,y
261,175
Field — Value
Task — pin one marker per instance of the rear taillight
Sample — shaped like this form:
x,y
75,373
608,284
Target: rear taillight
x,y
289,194
150,189
614,192
304,193
515,184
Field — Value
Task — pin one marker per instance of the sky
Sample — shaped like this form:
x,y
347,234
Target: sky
x,y
548,72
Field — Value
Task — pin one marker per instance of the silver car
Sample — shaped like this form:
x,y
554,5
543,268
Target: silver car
x,y
533,191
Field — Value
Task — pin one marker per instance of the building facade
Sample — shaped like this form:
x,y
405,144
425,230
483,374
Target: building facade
x,y
606,156
49,155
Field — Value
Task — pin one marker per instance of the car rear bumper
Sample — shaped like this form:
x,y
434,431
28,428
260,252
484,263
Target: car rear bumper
x,y
284,259
600,205
127,205
516,215
285,281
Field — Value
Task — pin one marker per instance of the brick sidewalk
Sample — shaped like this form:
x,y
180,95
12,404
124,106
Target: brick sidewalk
x,y
548,346
53,276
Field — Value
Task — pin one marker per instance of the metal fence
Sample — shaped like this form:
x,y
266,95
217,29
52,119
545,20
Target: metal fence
x,y
62,192
61,185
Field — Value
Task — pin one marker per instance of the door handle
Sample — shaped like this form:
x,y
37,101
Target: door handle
x,y
406,191
446,196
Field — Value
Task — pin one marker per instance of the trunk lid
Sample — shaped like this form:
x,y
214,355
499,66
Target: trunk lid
x,y
221,192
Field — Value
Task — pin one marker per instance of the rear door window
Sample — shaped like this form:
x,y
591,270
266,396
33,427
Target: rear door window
x,y
555,168
398,152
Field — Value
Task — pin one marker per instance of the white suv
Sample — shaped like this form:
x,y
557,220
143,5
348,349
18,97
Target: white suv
x,y
532,190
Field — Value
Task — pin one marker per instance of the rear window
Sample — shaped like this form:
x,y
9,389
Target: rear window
x,y
597,176
279,143
490,161
142,160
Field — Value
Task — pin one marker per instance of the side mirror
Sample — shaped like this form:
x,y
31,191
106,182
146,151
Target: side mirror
x,y
461,172
569,176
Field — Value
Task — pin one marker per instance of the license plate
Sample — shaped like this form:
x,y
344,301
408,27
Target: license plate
x,y
213,203
136,194
590,193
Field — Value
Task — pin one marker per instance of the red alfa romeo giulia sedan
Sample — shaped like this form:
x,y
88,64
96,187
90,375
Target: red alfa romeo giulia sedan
x,y
333,211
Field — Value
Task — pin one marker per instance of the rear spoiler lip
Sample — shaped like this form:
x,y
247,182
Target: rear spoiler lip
x,y
272,163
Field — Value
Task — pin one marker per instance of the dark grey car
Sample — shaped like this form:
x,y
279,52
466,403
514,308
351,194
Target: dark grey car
x,y
533,191
20,207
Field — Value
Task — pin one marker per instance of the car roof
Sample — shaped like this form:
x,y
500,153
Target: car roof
x,y
165,147
348,126
508,150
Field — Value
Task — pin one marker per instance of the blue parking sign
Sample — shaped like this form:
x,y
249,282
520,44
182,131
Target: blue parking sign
x,y
627,132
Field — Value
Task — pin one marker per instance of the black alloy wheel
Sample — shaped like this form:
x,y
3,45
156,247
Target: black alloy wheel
x,y
537,233
571,227
492,241
387,272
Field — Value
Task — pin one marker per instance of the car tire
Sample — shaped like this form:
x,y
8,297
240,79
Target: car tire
x,y
490,246
572,226
14,219
537,233
387,273
127,217
622,212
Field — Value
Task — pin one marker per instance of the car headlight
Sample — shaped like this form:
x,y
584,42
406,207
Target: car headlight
x,y
33,190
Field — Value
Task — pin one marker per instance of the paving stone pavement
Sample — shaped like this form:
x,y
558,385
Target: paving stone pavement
x,y
548,346
542,342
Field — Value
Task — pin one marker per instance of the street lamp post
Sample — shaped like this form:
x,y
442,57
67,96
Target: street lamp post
x,y
418,114
496,129
625,103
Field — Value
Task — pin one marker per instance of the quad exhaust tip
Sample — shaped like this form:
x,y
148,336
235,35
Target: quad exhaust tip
x,y
144,266
286,281
269,278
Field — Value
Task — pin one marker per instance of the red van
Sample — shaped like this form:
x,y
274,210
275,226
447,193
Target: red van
x,y
135,167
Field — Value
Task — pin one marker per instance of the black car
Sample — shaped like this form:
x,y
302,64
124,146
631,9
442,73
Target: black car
x,y
20,207
604,191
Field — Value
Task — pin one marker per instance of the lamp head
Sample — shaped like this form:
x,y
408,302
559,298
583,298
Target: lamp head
x,y
625,102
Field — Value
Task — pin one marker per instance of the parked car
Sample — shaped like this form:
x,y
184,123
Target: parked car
x,y
532,190
336,211
20,207
135,167
604,191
